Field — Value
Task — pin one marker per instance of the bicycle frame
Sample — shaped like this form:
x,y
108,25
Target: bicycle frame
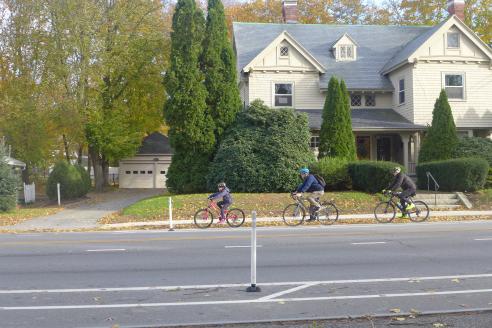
x,y
300,201
213,207
394,199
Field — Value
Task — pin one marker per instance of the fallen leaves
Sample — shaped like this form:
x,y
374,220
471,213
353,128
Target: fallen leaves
x,y
395,310
438,325
456,280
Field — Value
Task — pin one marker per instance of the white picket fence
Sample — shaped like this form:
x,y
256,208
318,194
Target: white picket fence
x,y
29,193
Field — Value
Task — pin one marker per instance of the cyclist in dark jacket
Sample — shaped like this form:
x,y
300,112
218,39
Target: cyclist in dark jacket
x,y
226,201
408,186
312,188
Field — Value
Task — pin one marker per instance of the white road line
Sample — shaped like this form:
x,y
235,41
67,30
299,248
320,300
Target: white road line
x,y
483,239
107,250
370,243
246,246
294,283
288,291
303,299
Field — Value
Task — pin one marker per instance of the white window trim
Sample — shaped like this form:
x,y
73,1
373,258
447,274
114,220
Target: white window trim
x,y
459,40
404,90
293,93
443,85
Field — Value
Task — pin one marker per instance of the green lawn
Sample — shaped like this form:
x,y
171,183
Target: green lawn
x,y
266,205
482,200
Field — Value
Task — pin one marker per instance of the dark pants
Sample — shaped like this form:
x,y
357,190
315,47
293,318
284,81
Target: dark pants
x,y
223,206
404,197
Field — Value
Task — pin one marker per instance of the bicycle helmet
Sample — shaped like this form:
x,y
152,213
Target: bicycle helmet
x,y
304,170
221,185
396,170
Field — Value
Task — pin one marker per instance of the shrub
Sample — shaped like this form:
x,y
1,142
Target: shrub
x,y
441,139
262,151
73,182
371,176
463,174
86,179
488,184
334,171
474,147
9,184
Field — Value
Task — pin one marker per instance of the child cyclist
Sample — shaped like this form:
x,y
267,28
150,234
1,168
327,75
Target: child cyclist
x,y
226,201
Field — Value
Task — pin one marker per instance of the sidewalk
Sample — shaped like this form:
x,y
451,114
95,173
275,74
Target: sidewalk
x,y
279,219
86,216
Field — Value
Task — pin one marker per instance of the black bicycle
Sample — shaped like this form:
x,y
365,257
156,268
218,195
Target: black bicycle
x,y
294,214
385,211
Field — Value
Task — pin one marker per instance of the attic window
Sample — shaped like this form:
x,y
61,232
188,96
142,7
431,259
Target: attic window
x,y
346,52
453,40
284,51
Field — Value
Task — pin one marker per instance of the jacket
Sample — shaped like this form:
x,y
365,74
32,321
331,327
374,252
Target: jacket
x,y
310,184
224,194
403,181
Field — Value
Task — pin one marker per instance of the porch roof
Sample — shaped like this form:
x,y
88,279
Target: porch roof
x,y
374,119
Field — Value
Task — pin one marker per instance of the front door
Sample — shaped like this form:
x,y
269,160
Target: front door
x,y
363,147
384,149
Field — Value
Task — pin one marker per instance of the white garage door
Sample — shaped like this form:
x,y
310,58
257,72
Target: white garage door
x,y
133,175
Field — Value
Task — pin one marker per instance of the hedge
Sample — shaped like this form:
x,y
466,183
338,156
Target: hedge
x,y
371,176
474,147
74,181
335,172
488,184
462,174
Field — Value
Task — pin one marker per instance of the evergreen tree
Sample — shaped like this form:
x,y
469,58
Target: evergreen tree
x,y
8,183
191,129
441,139
336,136
219,66
327,118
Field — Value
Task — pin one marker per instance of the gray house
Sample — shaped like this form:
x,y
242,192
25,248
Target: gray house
x,y
393,73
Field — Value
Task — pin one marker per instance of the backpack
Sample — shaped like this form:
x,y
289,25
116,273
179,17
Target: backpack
x,y
320,180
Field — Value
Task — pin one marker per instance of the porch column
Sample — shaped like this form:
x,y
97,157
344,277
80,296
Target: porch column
x,y
405,138
416,138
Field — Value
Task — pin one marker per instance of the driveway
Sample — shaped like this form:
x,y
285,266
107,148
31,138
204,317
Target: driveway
x,y
88,214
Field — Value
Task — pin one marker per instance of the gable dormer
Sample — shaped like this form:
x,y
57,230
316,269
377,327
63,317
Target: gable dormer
x,y
345,48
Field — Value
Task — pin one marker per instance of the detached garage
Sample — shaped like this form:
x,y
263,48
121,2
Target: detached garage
x,y
149,167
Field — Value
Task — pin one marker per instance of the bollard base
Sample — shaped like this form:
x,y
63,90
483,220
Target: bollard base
x,y
253,288
170,229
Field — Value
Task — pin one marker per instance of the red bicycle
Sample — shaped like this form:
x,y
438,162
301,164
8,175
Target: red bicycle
x,y
205,217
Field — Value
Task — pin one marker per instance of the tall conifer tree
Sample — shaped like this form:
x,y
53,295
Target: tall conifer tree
x,y
441,139
219,66
191,129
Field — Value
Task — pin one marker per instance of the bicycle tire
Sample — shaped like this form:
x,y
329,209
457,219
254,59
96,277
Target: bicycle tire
x,y
293,215
235,217
203,218
327,215
420,213
385,212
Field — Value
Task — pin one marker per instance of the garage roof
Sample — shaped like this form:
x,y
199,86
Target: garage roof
x,y
155,143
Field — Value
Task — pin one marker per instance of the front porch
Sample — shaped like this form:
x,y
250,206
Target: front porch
x,y
401,148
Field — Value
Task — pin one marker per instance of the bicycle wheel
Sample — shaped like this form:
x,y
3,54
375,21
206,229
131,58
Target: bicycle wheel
x,y
328,214
235,217
420,213
203,218
293,215
385,212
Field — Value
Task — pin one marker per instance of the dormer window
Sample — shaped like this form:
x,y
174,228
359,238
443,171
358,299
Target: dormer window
x,y
345,48
284,51
346,52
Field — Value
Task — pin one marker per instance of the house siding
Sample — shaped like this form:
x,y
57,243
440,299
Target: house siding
x,y
405,109
475,111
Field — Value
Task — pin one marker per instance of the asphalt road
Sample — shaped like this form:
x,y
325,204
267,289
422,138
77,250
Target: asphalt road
x,y
158,278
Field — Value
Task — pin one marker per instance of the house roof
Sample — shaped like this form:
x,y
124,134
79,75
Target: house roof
x,y
14,162
402,55
377,45
374,119
155,143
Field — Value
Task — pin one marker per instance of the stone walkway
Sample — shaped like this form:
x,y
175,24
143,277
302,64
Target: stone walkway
x,y
88,214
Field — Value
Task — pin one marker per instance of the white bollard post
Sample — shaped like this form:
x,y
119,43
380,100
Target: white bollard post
x,y
58,191
171,214
253,287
